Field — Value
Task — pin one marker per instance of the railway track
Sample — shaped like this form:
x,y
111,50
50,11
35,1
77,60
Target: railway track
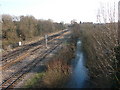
x,y
14,54
27,51
10,81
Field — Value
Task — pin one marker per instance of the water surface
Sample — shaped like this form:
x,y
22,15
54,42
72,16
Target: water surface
x,y
79,77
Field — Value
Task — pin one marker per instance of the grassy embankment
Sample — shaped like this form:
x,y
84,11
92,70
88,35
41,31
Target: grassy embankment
x,y
58,68
99,42
57,72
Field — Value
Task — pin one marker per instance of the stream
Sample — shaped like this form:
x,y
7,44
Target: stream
x,y
79,77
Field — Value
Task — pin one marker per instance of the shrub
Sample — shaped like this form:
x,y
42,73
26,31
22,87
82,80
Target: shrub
x,y
59,69
31,83
99,43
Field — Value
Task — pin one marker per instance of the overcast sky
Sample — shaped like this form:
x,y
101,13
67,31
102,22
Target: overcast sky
x,y
57,10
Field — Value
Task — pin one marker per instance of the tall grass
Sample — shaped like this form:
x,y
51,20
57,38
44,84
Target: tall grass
x,y
33,82
59,69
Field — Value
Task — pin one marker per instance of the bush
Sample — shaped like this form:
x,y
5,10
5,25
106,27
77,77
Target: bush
x,y
59,68
57,74
25,28
99,43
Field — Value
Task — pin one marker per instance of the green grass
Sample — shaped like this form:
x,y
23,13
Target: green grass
x,y
30,83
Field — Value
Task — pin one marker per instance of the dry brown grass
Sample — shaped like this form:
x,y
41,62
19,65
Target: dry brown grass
x,y
58,68
57,74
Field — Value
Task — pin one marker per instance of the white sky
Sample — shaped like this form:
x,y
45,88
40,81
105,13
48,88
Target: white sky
x,y
57,10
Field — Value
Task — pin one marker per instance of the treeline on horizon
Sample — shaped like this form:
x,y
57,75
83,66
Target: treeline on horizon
x,y
24,28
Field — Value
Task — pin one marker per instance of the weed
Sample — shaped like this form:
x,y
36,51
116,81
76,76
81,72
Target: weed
x,y
30,83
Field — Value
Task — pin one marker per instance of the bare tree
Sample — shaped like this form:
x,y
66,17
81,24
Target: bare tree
x,y
100,43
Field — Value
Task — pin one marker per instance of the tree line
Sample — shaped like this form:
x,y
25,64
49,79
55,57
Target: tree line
x,y
22,28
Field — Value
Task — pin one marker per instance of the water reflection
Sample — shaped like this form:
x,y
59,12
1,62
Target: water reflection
x,y
79,75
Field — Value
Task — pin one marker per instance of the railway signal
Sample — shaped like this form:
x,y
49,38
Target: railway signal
x,y
20,43
46,40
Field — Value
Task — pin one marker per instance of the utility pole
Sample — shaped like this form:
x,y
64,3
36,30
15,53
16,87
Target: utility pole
x,y
0,32
46,41
0,22
119,22
0,43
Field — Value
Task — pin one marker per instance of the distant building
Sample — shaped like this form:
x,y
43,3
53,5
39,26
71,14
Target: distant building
x,y
87,22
